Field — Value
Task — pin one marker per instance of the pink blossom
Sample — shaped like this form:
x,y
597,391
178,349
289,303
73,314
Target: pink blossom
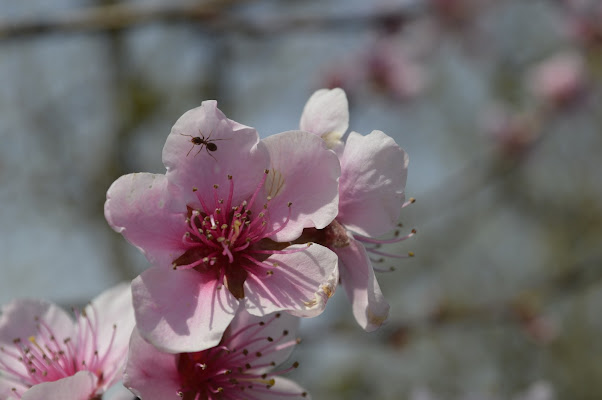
x,y
241,366
218,225
45,355
559,80
371,195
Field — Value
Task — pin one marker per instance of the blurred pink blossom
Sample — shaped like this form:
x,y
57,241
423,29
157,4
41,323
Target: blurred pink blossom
x,y
44,355
514,133
241,366
559,80
385,66
583,21
218,225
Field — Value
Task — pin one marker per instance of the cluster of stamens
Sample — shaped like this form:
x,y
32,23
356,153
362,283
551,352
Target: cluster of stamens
x,y
373,245
48,358
228,372
222,238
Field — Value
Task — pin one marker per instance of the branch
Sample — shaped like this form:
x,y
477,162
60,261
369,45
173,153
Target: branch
x,y
124,16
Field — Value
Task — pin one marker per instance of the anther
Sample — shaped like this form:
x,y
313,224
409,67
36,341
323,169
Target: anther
x,y
224,226
194,189
414,231
270,339
266,171
284,332
277,315
215,186
229,177
411,254
261,323
296,364
270,273
258,354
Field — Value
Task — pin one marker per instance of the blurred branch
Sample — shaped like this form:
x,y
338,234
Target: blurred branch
x,y
123,16
524,309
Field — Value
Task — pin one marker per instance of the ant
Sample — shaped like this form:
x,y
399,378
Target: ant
x,y
201,140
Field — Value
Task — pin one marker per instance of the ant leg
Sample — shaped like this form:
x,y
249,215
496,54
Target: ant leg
x,y
208,152
190,150
200,148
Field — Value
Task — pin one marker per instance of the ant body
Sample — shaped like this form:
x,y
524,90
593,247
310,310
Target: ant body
x,y
202,141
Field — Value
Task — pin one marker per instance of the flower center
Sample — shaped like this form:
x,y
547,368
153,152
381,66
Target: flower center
x,y
48,358
224,371
224,239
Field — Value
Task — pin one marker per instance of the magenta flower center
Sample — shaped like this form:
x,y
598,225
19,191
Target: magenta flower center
x,y
223,240
227,372
45,357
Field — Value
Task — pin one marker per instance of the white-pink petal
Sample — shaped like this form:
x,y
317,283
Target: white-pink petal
x,y
370,308
20,319
301,283
181,311
80,386
238,153
326,114
150,373
302,171
371,187
275,326
137,208
112,314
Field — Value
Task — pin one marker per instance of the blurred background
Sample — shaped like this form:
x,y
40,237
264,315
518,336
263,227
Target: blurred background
x,y
498,104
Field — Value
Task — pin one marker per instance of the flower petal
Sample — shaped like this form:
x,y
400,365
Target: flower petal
x,y
136,207
373,177
19,319
283,389
112,314
80,386
238,153
181,311
150,373
7,386
357,277
301,283
326,114
280,327
305,173
119,392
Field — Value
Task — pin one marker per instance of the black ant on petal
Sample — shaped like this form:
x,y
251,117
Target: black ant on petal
x,y
202,141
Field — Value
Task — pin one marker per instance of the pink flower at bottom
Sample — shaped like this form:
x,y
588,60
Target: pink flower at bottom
x,y
371,196
218,225
45,355
240,367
